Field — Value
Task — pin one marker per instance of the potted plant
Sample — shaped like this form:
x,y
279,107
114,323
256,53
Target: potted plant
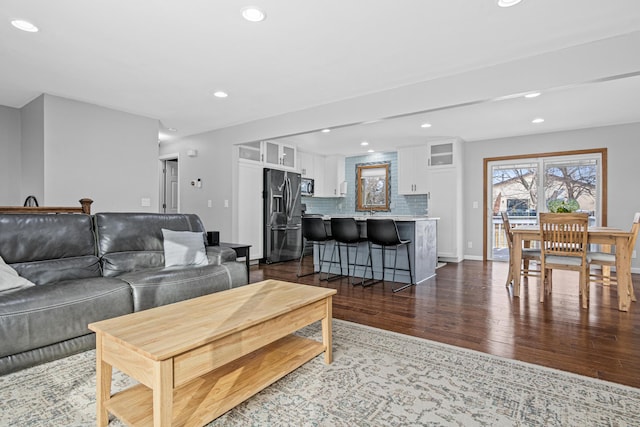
x,y
563,206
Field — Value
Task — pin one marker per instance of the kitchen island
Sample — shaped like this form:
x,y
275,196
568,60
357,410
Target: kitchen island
x,y
423,251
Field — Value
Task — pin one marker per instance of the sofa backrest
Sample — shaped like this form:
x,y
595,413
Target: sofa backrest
x,y
133,241
46,248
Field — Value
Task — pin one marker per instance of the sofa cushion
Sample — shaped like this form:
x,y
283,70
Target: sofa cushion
x,y
134,241
42,315
160,286
38,237
56,270
10,280
183,248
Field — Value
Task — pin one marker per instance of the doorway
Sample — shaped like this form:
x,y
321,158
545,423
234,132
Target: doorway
x,y
169,185
525,185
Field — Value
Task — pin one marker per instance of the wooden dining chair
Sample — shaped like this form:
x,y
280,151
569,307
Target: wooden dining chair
x,y
607,260
528,254
563,238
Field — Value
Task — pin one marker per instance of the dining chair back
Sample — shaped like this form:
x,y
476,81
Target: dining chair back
x,y
563,238
606,260
528,254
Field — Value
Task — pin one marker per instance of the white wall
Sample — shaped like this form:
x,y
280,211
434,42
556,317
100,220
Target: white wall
x,y
32,150
10,156
96,152
623,160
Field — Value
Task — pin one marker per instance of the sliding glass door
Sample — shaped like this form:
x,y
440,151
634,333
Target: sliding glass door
x,y
525,186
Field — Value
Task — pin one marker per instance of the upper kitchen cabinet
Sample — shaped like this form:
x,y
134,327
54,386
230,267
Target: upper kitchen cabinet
x,y
412,170
444,153
306,165
269,154
277,155
329,176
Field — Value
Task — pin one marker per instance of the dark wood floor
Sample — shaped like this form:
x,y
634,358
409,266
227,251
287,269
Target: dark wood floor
x,y
467,305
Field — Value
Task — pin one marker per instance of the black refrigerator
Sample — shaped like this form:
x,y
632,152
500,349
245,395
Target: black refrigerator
x,y
282,216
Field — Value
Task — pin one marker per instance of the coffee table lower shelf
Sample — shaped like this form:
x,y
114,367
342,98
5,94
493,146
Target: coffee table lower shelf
x,y
211,395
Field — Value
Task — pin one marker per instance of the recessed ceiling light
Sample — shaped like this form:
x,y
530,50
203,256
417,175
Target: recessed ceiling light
x,y
425,125
253,14
508,3
370,151
532,95
537,120
24,26
220,94
364,143
325,130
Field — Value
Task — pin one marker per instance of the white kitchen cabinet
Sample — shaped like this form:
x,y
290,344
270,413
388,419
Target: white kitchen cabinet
x,y
413,170
250,206
329,176
444,153
445,198
270,154
445,203
306,165
277,155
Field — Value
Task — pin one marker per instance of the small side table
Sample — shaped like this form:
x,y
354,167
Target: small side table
x,y
241,249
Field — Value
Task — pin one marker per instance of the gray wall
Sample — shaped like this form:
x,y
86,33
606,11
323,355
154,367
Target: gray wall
x,y
62,150
215,166
96,152
623,154
32,150
10,156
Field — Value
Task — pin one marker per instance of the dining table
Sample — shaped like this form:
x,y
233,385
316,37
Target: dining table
x,y
523,235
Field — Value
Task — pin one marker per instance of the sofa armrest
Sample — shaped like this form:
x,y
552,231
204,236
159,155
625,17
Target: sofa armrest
x,y
218,255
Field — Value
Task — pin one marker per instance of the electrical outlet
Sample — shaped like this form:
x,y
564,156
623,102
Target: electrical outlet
x,y
470,244
209,203
226,203
475,205
633,254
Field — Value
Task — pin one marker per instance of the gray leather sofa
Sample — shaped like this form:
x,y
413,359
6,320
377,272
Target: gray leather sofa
x,y
89,268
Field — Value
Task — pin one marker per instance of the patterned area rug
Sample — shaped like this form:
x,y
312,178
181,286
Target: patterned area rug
x,y
378,378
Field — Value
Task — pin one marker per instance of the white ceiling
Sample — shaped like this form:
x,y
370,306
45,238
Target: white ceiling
x,y
163,59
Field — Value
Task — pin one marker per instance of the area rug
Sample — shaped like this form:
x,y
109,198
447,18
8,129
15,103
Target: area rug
x,y
378,378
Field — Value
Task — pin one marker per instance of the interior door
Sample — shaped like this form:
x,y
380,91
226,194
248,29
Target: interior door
x,y
170,204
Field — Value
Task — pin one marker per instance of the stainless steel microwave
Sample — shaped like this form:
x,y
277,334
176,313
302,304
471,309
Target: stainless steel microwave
x,y
306,187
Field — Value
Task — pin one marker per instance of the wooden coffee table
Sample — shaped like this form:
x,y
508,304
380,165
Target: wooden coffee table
x,y
198,358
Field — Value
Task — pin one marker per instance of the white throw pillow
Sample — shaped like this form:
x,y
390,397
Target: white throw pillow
x,y
184,248
10,280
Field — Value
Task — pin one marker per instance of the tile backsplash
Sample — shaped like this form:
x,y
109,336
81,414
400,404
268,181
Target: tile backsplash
x,y
400,204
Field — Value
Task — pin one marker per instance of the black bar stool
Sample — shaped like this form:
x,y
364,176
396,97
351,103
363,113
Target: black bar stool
x,y
314,232
384,233
346,234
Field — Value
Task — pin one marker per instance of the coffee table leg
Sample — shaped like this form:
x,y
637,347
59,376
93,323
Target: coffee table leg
x,y
163,393
326,332
103,384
